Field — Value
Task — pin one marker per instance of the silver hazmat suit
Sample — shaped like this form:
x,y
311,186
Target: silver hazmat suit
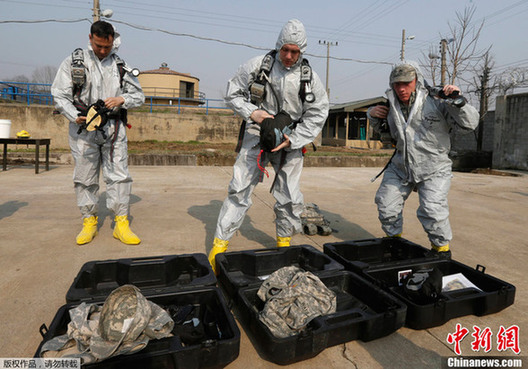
x,y
311,117
102,81
421,161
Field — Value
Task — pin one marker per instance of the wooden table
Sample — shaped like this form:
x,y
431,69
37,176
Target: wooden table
x,y
27,141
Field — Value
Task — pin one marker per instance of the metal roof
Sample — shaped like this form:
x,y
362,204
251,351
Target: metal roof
x,y
354,105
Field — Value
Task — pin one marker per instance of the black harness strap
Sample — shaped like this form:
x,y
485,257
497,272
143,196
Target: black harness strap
x,y
281,164
384,168
240,136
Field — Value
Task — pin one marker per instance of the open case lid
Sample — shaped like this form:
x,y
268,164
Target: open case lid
x,y
252,267
357,255
152,275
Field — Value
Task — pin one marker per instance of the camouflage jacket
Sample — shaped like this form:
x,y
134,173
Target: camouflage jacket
x,y
123,325
293,298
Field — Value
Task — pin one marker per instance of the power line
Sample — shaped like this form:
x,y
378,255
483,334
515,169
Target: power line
x,y
259,22
380,15
47,5
144,28
347,23
269,25
512,65
48,21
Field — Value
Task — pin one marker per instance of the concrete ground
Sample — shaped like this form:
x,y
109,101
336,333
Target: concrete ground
x,y
174,210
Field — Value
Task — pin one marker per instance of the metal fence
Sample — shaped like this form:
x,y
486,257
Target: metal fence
x,y
30,93
39,94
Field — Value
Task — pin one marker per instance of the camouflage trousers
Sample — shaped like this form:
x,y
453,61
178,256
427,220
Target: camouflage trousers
x,y
293,298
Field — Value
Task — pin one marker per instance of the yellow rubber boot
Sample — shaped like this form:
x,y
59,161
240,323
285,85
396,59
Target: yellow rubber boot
x,y
88,231
123,232
444,248
441,251
219,246
283,241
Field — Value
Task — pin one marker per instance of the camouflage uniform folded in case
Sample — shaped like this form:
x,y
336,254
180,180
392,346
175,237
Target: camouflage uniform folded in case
x,y
293,298
123,325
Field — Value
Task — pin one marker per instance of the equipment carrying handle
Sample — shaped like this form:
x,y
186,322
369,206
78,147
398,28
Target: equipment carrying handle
x,y
266,251
147,260
43,330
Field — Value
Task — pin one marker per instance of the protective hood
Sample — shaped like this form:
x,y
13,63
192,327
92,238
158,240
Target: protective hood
x,y
117,42
419,75
293,33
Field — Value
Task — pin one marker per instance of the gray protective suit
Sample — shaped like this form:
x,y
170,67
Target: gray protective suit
x,y
421,161
311,117
102,81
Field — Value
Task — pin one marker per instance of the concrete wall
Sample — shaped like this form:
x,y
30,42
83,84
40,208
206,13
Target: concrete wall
x,y
40,122
510,150
468,141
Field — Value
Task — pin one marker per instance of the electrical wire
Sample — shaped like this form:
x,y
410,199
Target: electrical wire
x,y
47,21
237,43
266,23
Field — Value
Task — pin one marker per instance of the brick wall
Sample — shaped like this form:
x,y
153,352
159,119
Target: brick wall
x,y
510,149
468,141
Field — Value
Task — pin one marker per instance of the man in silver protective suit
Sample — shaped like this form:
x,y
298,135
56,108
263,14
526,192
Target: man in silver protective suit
x,y
420,123
88,76
308,110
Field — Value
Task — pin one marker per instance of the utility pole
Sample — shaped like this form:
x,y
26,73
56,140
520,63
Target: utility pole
x,y
328,44
96,11
402,51
443,45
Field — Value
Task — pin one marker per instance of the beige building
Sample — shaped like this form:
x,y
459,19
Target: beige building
x,y
167,87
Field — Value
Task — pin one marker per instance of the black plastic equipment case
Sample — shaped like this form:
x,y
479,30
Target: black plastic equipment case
x,y
168,280
375,252
152,275
383,262
363,311
249,268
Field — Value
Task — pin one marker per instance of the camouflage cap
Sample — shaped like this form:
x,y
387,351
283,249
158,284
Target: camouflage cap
x,y
403,73
124,317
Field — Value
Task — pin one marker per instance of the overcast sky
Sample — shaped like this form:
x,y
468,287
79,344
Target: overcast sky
x,y
210,39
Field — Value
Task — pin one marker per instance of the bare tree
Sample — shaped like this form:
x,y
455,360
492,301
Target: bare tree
x,y
45,74
462,48
20,78
431,64
457,52
483,89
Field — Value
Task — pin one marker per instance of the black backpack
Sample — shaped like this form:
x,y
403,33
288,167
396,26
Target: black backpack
x,y
272,130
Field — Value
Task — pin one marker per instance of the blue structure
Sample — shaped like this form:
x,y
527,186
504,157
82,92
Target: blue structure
x,y
39,93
